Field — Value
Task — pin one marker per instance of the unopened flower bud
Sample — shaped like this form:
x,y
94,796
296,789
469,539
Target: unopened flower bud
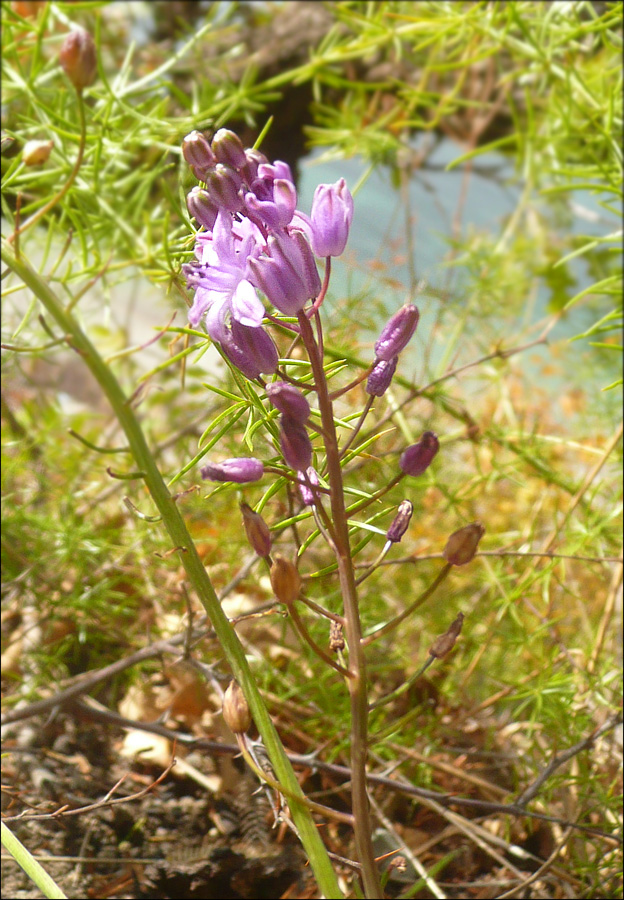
x,y
331,216
223,184
239,470
285,580
397,333
35,153
228,148
307,494
462,545
198,154
78,58
401,521
257,530
253,159
445,642
202,207
381,376
417,458
251,350
289,400
295,444
236,712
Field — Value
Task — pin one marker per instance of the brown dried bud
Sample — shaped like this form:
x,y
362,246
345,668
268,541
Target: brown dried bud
x,y
336,638
462,545
235,709
285,580
35,153
79,59
257,530
445,642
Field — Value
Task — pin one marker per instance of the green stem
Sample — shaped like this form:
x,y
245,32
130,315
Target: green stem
x,y
195,570
358,691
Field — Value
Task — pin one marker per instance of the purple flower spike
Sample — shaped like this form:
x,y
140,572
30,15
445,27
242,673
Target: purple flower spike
x,y
381,375
417,458
289,400
288,275
250,350
397,332
295,444
307,495
332,214
238,470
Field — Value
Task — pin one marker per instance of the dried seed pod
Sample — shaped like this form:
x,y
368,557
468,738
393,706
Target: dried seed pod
x,y
445,642
336,638
462,545
35,153
236,711
257,530
285,580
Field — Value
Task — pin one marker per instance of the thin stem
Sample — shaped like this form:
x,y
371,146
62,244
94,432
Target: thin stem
x,y
307,637
320,609
393,695
317,303
410,609
357,663
357,428
374,565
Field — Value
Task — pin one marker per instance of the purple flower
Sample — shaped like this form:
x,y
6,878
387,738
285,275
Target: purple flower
x,y
295,444
272,200
417,458
238,470
289,400
250,350
397,332
331,217
381,376
287,275
220,279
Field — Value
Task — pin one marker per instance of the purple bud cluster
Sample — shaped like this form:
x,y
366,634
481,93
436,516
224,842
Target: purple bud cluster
x,y
395,336
255,240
